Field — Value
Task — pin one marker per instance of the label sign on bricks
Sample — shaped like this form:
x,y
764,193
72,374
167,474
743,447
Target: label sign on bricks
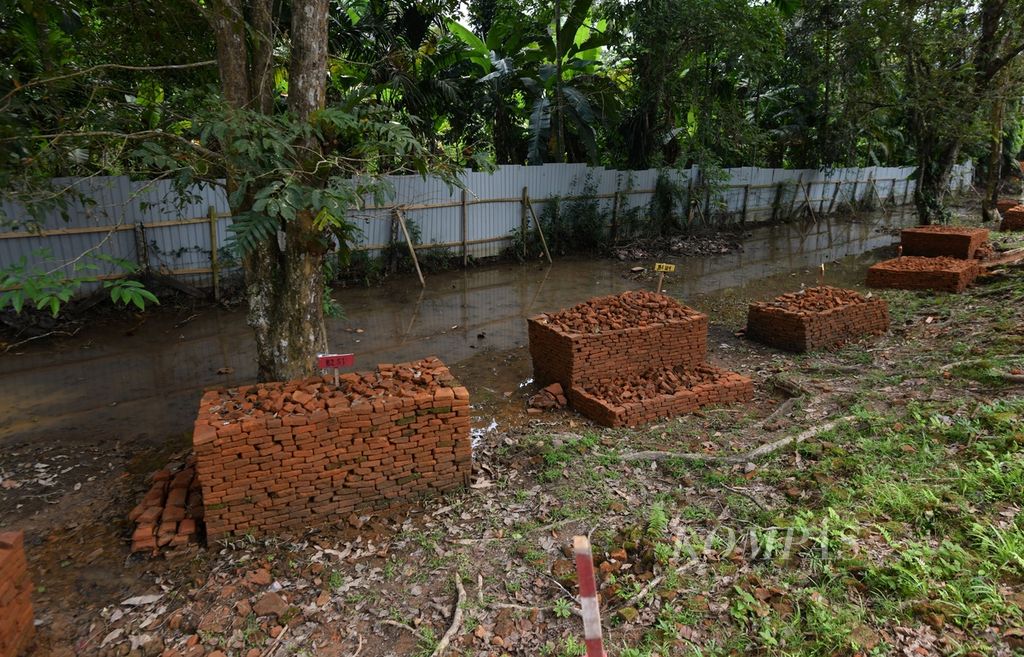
x,y
335,361
664,267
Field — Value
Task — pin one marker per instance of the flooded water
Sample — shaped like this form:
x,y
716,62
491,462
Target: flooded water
x,y
139,383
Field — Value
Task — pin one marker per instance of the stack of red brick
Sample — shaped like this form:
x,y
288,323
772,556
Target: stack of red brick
x,y
1013,219
938,241
916,273
291,455
171,512
16,624
613,343
662,392
816,318
1005,204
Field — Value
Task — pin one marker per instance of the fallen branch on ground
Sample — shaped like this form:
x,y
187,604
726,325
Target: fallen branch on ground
x,y
456,625
748,457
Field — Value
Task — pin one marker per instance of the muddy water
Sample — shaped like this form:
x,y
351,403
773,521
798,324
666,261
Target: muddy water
x,y
138,383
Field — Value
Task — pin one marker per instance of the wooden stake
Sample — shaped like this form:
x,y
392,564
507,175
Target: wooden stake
x,y
465,258
615,217
214,267
590,608
408,240
661,280
522,218
141,248
746,194
807,200
540,231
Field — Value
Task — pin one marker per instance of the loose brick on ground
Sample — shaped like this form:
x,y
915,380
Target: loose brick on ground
x,y
1013,219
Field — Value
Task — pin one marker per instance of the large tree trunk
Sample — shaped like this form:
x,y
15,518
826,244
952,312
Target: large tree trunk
x,y
284,273
934,167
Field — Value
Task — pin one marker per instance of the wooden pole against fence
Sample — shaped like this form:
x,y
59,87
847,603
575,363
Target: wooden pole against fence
x,y
522,217
412,249
141,248
807,200
464,209
214,267
540,231
835,193
615,217
746,194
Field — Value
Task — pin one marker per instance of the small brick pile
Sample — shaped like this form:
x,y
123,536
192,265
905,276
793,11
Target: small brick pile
x,y
1005,204
171,513
16,622
550,397
937,241
916,273
816,318
663,392
1013,219
631,358
606,336
291,455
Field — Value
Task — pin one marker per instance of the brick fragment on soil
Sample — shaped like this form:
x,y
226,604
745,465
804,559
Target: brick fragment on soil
x,y
1005,204
1013,219
917,273
167,515
16,619
816,318
938,241
291,455
550,397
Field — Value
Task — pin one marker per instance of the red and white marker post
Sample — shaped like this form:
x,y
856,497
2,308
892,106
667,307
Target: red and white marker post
x,y
591,611
334,362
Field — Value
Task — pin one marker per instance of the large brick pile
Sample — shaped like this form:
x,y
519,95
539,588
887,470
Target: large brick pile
x,y
663,392
171,512
937,241
816,318
1013,219
631,358
607,336
291,455
16,624
916,273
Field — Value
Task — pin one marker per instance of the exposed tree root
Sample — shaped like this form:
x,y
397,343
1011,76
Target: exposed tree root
x,y
456,625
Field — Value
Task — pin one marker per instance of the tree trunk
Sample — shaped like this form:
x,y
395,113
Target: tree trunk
x,y
284,273
934,166
995,159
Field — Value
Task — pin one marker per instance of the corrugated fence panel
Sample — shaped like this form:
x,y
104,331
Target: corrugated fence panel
x,y
103,214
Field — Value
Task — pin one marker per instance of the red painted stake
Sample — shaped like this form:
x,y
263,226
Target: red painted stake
x,y
591,612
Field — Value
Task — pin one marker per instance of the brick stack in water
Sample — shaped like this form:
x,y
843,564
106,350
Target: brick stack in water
x,y
916,273
602,338
1013,219
663,392
281,456
816,318
16,623
937,241
631,358
171,513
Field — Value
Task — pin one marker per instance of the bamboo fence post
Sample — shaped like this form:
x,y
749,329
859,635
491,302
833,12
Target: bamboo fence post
x,y
835,193
807,201
792,203
522,217
746,195
540,231
776,202
214,266
464,209
408,240
141,248
615,217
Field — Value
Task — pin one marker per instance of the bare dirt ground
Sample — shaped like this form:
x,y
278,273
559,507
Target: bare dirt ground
x,y
894,527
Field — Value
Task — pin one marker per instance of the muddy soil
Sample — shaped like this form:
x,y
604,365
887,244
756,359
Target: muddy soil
x,y
83,420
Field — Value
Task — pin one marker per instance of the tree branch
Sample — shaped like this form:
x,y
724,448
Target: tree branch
x,y
99,67
144,134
